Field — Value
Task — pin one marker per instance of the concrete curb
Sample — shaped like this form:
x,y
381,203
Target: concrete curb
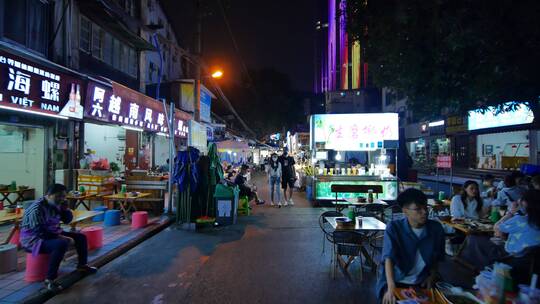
x,y
42,295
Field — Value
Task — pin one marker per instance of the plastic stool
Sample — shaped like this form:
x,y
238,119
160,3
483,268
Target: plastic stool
x,y
94,237
99,217
36,267
139,219
8,258
112,218
16,238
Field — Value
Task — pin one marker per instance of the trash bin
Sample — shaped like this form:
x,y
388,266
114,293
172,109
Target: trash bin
x,y
226,199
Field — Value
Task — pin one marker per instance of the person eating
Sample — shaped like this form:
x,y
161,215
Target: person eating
x,y
520,226
468,204
412,248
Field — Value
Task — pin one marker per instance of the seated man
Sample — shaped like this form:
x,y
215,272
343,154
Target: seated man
x,y
246,189
41,233
412,248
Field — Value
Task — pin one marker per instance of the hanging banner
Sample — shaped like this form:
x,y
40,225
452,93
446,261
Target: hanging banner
x,y
33,88
121,105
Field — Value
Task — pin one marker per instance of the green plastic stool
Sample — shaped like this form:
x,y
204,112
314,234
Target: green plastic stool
x,y
243,206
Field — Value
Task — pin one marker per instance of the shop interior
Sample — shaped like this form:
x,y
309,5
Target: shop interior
x,y
23,157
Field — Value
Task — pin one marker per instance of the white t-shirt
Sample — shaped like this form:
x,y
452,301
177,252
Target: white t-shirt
x,y
274,172
412,277
458,210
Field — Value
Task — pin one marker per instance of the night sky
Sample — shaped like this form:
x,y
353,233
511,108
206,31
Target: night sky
x,y
276,34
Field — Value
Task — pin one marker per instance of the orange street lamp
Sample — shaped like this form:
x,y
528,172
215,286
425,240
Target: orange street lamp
x,y
217,74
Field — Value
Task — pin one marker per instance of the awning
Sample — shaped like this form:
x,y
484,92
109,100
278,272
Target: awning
x,y
115,20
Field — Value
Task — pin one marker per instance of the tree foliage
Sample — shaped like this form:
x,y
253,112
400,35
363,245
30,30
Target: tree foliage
x,y
459,54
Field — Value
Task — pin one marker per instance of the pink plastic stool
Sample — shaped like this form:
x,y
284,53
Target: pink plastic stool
x,y
94,237
16,238
139,219
36,267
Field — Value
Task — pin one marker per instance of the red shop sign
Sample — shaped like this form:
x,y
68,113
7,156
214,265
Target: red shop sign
x,y
33,88
124,106
444,161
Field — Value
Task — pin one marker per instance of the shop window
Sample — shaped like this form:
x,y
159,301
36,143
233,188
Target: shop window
x,y
26,22
97,42
108,49
85,35
116,54
124,59
133,62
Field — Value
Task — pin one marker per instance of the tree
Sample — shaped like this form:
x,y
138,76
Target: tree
x,y
458,54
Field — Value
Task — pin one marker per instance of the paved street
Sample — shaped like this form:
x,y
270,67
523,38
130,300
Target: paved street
x,y
272,256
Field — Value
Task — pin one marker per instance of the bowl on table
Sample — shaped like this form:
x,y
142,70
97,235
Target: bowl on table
x,y
10,209
344,222
23,187
445,218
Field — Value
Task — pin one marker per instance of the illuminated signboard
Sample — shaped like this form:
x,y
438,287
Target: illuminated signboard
x,y
33,88
489,119
354,132
124,106
206,105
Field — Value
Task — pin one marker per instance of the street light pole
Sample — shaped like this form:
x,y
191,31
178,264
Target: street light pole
x,y
198,54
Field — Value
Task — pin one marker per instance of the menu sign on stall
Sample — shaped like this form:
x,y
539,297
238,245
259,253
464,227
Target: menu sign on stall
x,y
354,132
29,87
124,106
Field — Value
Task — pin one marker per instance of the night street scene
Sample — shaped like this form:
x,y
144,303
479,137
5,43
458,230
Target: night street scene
x,y
249,151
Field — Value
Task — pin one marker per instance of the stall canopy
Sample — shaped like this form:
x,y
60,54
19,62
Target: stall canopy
x,y
233,151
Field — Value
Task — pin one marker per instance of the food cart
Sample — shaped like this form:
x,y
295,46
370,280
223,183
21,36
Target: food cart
x,y
354,149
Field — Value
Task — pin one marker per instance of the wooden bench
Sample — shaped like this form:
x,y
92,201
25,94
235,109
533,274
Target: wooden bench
x,y
156,188
338,188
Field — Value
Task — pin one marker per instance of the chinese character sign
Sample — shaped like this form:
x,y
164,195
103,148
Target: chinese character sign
x,y
35,88
123,106
354,132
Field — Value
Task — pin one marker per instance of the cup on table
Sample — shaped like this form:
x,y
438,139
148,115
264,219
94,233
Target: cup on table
x,y
442,196
18,209
359,220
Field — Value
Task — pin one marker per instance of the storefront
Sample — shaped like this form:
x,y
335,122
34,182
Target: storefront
x,y
427,141
357,149
502,140
128,127
40,111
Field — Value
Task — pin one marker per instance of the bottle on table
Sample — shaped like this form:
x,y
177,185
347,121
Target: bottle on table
x,y
370,196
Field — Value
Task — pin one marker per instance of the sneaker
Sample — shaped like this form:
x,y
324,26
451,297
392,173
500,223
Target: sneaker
x,y
271,204
260,202
279,205
87,269
291,202
285,204
53,286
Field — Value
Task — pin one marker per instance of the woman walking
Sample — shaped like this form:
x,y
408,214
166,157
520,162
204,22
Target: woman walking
x,y
274,178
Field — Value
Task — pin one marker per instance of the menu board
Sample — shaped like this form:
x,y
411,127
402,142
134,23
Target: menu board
x,y
34,88
354,132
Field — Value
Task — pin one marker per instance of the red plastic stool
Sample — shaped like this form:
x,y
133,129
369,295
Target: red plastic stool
x,y
36,267
16,238
94,237
139,219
